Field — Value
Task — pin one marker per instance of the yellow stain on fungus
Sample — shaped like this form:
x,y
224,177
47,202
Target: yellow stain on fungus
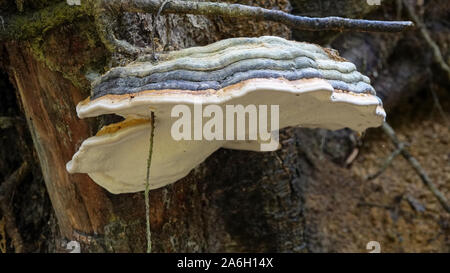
x,y
112,128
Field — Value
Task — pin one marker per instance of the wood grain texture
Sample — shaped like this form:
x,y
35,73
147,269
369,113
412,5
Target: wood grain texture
x,y
49,102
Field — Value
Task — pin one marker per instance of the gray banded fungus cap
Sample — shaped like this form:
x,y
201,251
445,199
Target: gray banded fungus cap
x,y
313,87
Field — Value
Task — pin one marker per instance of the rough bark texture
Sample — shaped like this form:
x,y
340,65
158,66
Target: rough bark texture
x,y
302,198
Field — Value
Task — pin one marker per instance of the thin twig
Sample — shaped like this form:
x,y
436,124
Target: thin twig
x,y
106,23
387,162
233,11
154,28
349,160
438,105
417,167
6,191
426,35
26,26
369,204
147,183
257,13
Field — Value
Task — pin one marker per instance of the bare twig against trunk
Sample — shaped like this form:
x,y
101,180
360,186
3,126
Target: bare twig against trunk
x,y
107,8
32,25
257,13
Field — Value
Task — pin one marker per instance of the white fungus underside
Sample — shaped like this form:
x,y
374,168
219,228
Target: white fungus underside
x,y
117,161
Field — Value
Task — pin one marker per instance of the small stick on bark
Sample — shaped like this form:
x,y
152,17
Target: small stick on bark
x,y
22,27
257,13
352,157
6,190
417,167
232,11
154,58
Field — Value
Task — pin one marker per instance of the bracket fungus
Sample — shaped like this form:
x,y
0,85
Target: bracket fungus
x,y
312,86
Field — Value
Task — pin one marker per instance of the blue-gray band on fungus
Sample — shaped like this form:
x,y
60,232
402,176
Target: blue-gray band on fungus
x,y
231,61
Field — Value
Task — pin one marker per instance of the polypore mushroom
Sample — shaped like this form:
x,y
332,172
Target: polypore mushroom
x,y
312,86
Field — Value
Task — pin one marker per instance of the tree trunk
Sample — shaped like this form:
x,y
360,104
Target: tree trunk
x,y
282,201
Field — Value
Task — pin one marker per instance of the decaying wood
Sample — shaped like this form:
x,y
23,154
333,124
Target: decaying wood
x,y
58,128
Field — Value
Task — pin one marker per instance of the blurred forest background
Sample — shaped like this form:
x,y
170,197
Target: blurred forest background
x,y
313,195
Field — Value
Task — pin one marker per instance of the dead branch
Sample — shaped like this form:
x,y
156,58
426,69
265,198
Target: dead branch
x,y
417,167
257,13
154,28
6,190
25,26
106,22
426,35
